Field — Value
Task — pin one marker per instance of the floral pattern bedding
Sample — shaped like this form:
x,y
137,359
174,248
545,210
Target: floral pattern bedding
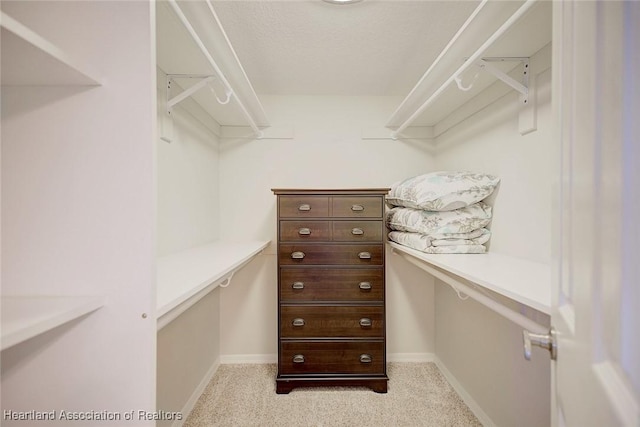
x,y
463,220
421,243
442,191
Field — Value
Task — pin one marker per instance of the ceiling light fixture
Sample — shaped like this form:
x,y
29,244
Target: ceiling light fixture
x,y
342,1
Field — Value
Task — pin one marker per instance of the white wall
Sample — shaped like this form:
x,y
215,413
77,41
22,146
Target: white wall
x,y
481,349
78,212
188,185
326,151
188,354
490,142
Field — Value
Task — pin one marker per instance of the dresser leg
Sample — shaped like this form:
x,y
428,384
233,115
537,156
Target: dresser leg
x,y
283,387
379,386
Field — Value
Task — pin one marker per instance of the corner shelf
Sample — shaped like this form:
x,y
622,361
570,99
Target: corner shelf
x,y
525,282
24,317
187,36
495,30
186,277
29,59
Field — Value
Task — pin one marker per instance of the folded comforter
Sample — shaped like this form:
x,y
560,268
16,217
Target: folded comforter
x,y
465,220
424,243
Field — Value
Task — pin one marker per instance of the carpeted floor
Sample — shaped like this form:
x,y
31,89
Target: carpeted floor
x,y
244,395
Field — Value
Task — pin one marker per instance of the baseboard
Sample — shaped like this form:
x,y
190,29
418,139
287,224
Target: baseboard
x,y
411,357
464,395
188,407
230,359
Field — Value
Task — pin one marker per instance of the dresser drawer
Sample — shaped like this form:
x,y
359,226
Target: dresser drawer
x,y
303,206
331,284
315,321
332,357
330,254
305,231
356,207
357,231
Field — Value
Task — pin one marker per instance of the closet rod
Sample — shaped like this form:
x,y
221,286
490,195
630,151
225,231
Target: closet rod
x,y
490,303
468,63
212,62
233,51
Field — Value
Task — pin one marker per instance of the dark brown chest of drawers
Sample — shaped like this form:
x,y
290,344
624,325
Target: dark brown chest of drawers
x,y
331,290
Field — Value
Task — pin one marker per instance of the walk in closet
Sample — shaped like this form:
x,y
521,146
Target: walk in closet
x,y
140,144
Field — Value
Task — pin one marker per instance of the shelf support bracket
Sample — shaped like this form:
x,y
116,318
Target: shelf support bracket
x,y
486,64
523,88
205,80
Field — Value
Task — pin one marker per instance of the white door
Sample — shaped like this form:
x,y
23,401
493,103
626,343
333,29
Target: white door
x,y
596,307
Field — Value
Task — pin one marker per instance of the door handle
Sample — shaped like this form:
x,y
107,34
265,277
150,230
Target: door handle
x,y
547,341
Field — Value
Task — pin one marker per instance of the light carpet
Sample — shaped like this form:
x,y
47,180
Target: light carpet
x,y
244,395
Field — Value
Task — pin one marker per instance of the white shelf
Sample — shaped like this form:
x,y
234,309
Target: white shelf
x,y
185,277
526,282
29,59
25,317
179,54
524,38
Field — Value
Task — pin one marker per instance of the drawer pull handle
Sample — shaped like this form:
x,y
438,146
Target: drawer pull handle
x,y
298,358
357,208
298,321
357,231
365,286
365,322
304,207
304,231
365,358
297,255
364,255
298,285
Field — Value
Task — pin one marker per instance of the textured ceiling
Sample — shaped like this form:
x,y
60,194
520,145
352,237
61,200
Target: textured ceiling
x,y
311,47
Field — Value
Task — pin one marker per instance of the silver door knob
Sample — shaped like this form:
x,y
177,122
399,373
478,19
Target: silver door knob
x,y
547,341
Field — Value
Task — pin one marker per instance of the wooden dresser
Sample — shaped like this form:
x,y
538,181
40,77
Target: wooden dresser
x,y
331,290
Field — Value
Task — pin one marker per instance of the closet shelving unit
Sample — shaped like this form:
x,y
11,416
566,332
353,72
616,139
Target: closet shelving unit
x,y
506,35
206,68
29,59
525,282
513,31
186,277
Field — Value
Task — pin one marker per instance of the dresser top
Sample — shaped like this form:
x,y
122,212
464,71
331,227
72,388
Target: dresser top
x,y
334,191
